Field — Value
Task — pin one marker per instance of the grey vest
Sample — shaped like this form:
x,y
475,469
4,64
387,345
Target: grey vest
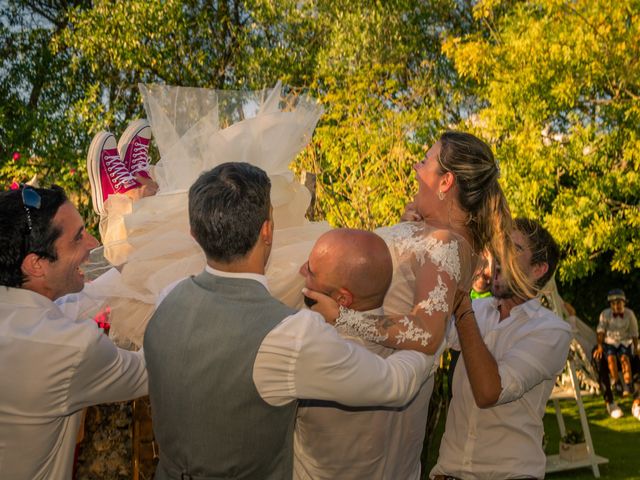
x,y
208,418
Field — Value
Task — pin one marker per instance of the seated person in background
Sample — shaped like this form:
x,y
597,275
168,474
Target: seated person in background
x,y
510,360
333,441
635,408
601,366
51,365
617,333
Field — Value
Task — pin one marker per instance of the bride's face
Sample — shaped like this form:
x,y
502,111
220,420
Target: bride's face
x,y
429,176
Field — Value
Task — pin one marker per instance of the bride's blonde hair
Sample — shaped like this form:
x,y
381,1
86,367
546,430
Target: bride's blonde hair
x,y
479,194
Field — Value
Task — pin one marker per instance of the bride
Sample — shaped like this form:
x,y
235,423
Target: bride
x,y
195,130
459,211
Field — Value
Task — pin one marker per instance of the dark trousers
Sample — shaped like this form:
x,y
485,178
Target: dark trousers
x,y
602,367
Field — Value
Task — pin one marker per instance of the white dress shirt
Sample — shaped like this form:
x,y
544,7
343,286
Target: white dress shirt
x,y
352,444
304,357
505,441
51,367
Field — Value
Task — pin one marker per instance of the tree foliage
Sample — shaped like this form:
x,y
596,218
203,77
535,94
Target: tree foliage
x,y
558,95
553,85
388,90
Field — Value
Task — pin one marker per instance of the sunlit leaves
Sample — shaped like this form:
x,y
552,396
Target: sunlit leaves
x,y
559,82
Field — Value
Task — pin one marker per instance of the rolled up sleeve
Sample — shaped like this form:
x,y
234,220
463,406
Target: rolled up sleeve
x,y
538,356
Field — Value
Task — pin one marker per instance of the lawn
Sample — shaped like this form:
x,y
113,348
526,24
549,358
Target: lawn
x,y
617,440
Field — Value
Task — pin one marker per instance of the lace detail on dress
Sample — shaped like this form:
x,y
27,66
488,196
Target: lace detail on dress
x,y
406,238
412,333
403,237
437,300
357,324
445,256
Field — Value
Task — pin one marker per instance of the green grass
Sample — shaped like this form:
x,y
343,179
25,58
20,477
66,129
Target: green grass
x,y
617,440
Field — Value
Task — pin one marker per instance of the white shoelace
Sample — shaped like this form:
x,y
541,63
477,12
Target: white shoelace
x,y
117,172
139,158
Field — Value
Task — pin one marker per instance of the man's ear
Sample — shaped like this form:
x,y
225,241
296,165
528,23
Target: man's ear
x,y
33,266
539,269
266,232
344,297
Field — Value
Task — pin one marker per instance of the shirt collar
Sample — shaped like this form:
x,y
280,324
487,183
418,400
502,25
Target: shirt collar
x,y
531,307
23,297
247,275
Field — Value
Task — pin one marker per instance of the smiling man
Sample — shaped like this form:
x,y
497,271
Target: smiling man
x,y
51,366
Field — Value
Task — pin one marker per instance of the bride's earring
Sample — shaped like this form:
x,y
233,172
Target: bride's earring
x,y
440,194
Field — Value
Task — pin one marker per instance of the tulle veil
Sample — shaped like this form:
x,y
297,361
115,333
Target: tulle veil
x,y
196,129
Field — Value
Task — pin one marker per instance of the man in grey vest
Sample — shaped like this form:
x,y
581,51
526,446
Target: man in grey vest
x,y
227,361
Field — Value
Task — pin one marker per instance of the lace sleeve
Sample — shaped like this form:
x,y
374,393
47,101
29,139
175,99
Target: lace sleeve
x,y
435,258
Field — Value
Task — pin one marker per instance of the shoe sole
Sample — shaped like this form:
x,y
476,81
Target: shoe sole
x,y
129,134
93,170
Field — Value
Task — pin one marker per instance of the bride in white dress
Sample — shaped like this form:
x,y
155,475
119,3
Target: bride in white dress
x,y
459,211
195,130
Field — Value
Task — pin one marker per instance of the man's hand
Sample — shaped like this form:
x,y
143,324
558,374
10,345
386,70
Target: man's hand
x,y
325,305
597,353
411,213
461,304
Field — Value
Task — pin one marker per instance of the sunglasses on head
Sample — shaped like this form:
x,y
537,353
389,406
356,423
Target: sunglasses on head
x,y
30,199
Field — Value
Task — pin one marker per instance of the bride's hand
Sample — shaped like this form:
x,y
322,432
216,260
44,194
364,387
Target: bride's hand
x,y
411,213
324,305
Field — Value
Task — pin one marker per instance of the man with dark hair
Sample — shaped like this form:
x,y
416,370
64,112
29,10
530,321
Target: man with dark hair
x,y
227,361
51,366
510,360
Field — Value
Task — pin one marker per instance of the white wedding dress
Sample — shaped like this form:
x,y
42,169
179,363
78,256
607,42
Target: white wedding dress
x,y
195,130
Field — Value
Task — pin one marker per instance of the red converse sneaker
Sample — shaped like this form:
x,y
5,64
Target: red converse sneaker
x,y
134,147
107,173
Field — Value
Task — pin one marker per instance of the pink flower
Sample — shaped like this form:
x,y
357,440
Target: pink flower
x,y
15,186
16,156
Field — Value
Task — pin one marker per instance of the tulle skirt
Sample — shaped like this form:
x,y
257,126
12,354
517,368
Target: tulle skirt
x,y
195,130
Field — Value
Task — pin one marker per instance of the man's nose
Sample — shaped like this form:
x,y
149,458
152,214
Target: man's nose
x,y
92,242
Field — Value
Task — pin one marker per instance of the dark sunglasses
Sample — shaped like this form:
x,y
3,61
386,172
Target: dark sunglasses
x,y
30,199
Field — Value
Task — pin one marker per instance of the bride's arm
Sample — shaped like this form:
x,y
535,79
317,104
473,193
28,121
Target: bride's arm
x,y
423,329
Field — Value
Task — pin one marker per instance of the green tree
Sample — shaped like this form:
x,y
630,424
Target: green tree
x,y
557,93
71,69
388,90
36,132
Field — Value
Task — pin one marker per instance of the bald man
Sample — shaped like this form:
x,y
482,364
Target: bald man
x,y
332,441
